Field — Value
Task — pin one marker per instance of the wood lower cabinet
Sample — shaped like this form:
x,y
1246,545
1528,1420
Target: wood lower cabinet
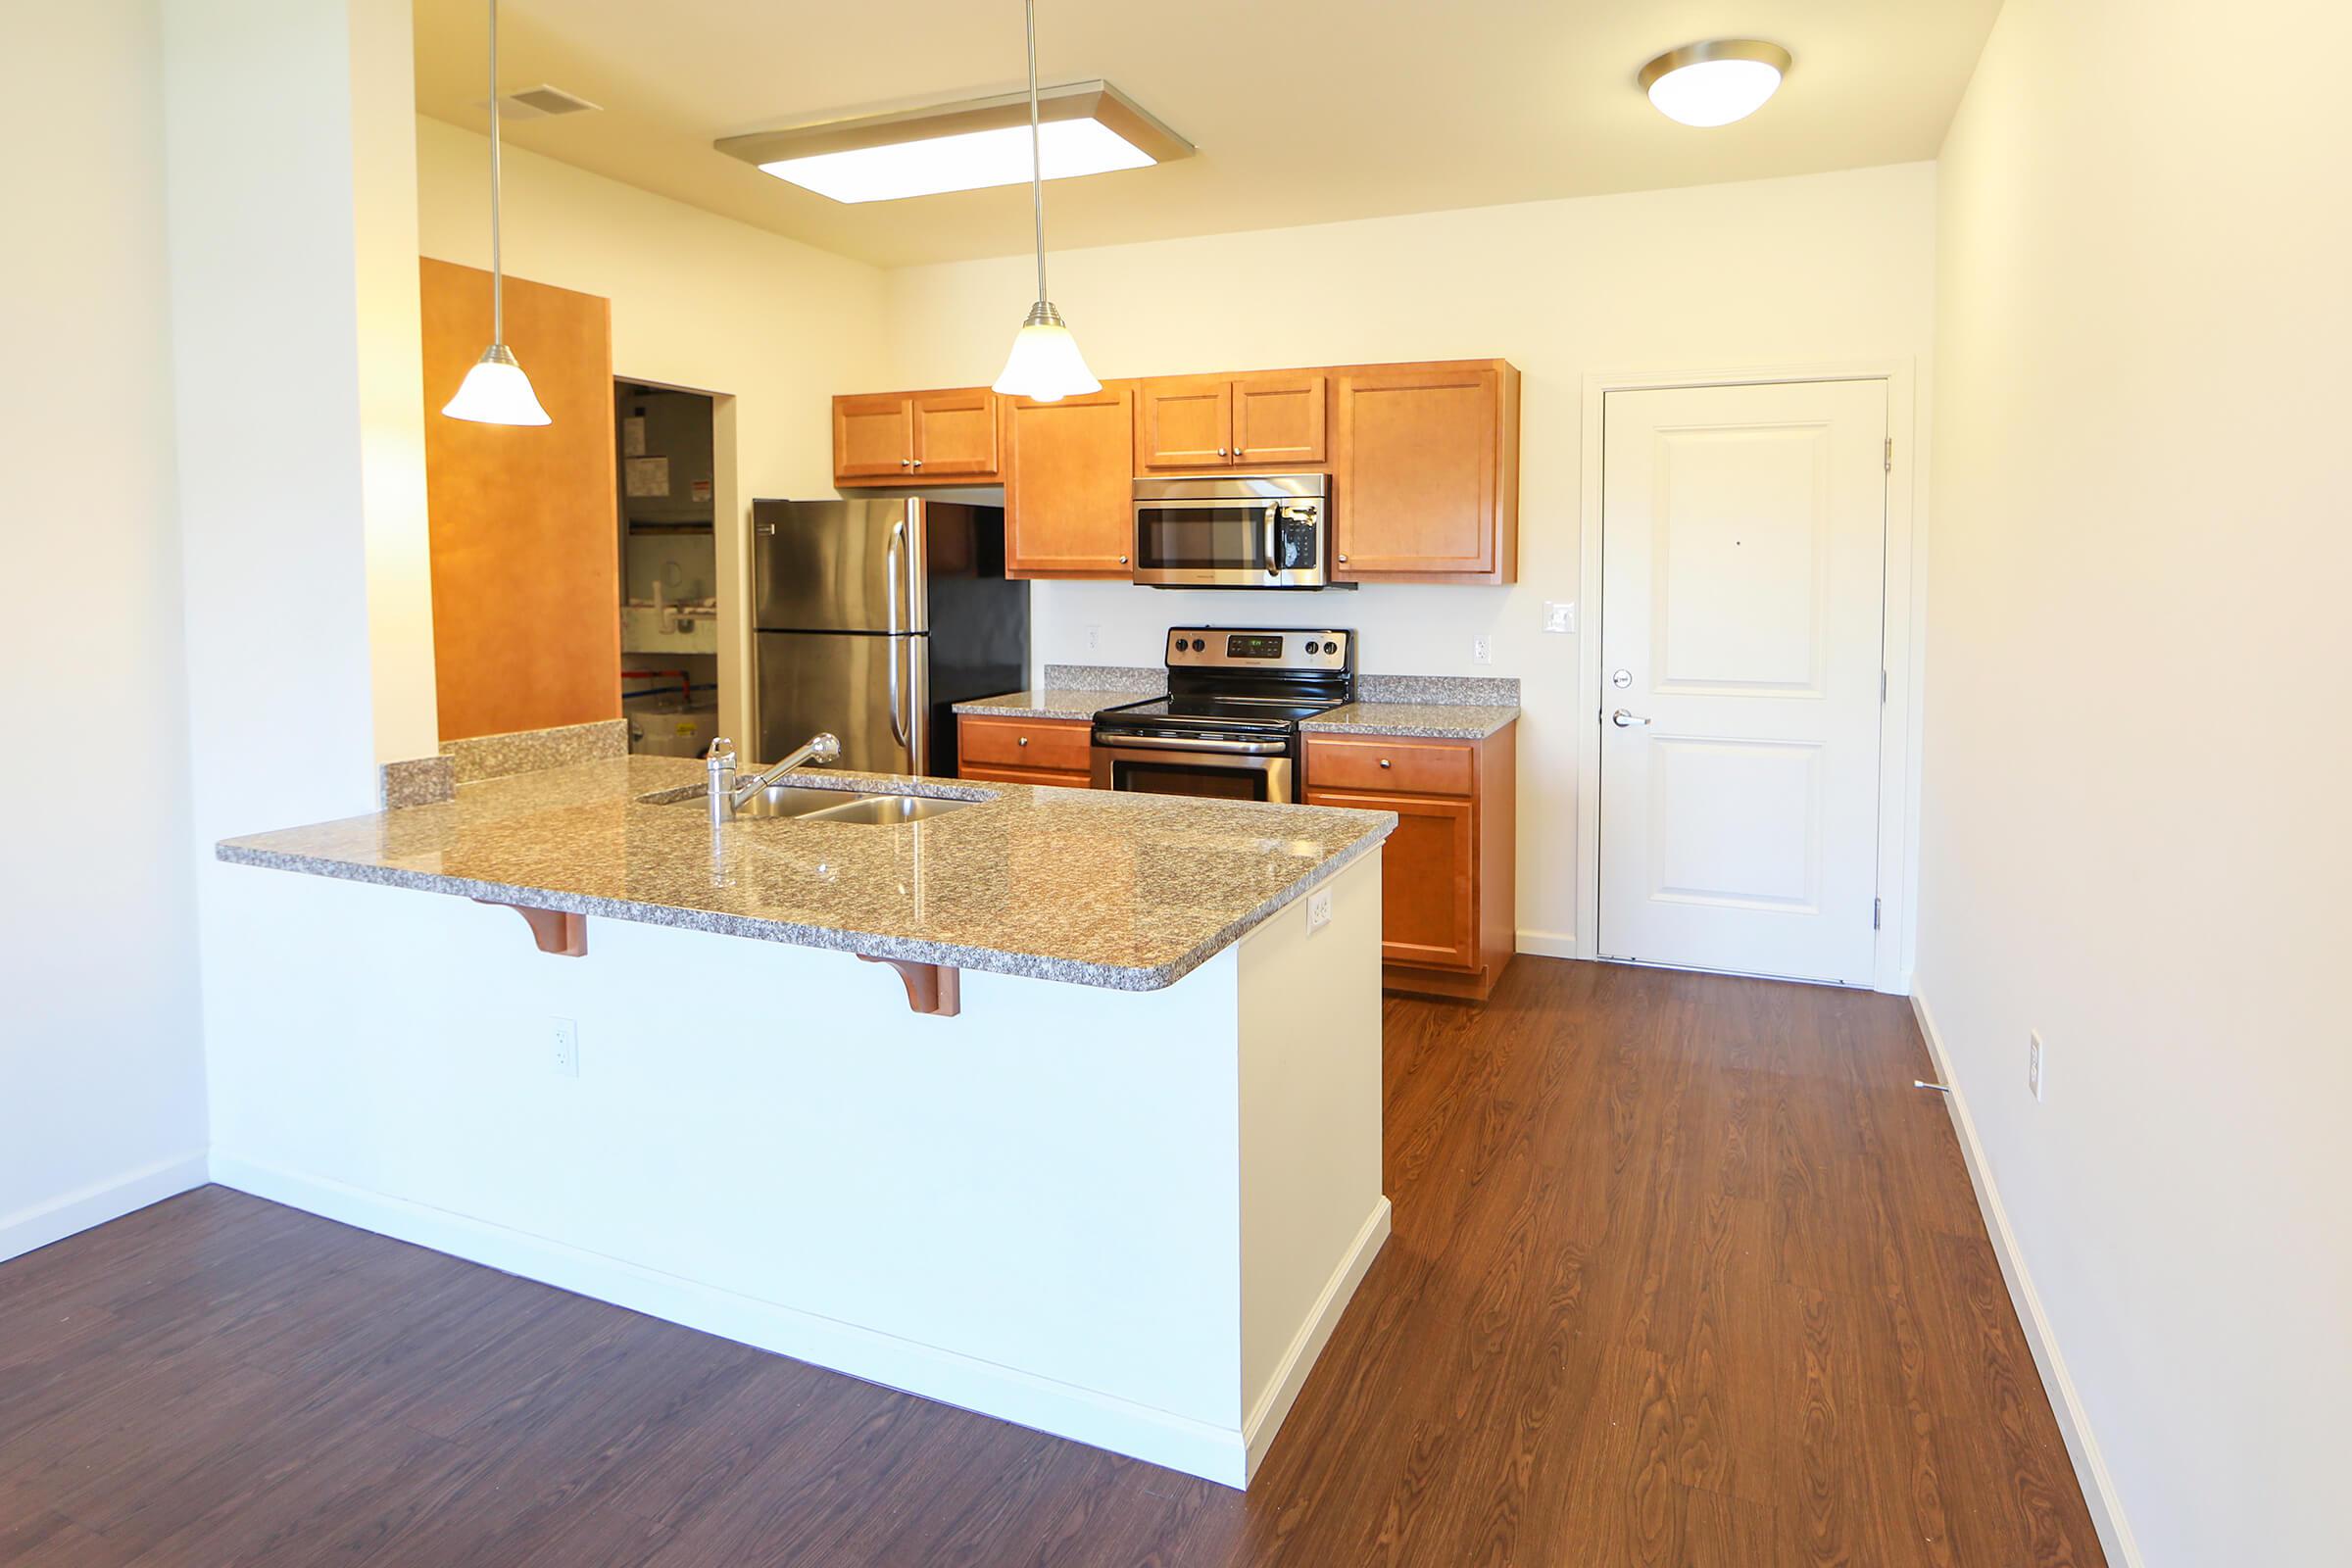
x,y
1025,751
1069,496
903,438
1426,481
1449,890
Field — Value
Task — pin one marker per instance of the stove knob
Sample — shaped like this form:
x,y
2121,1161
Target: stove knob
x,y
1200,645
1314,648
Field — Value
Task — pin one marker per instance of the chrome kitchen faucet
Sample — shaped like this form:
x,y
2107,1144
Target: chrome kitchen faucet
x,y
726,794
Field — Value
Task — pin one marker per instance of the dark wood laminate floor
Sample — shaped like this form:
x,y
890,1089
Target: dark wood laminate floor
x,y
1685,1272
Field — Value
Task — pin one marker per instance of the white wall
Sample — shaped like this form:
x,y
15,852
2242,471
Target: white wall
x,y
698,301
1830,267
2136,760
101,1069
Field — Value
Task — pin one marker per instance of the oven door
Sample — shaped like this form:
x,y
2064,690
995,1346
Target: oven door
x,y
1231,543
1198,765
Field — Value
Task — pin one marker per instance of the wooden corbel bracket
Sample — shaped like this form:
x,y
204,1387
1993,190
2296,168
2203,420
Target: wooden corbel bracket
x,y
936,989
563,935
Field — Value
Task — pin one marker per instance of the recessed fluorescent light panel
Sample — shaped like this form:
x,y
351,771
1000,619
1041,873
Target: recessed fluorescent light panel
x,y
1087,128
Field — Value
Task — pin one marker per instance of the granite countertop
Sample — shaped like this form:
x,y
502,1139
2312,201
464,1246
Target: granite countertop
x,y
1053,702
1467,721
1459,721
1125,891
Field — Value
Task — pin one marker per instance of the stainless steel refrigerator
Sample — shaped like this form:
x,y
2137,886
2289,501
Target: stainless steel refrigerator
x,y
872,619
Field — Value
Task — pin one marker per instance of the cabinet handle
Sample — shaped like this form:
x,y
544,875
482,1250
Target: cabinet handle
x,y
1384,762
1222,452
1024,740
1342,561
1122,561
905,462
919,463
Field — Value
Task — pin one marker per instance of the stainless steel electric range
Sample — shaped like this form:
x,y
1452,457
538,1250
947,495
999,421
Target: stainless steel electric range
x,y
1229,725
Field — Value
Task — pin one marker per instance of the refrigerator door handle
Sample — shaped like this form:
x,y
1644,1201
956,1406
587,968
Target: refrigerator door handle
x,y
894,568
897,721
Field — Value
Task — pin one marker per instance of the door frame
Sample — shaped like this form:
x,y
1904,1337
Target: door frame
x,y
1904,610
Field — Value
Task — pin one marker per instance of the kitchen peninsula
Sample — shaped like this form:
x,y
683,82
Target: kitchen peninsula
x,y
1119,1188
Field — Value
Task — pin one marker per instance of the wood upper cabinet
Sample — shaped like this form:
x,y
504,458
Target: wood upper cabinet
x,y
1280,419
1070,473
873,437
955,434
1448,924
1426,477
1222,422
1184,422
1424,460
903,438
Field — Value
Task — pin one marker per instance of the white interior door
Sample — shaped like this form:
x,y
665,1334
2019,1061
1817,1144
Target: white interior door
x,y
1743,550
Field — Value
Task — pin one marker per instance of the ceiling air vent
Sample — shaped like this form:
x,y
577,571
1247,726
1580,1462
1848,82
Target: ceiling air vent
x,y
544,102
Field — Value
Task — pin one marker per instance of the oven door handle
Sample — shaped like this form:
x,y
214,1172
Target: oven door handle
x,y
1170,743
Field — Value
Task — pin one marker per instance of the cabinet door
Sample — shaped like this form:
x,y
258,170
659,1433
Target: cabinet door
x,y
1428,910
1069,473
1421,455
955,435
1184,423
873,437
1279,418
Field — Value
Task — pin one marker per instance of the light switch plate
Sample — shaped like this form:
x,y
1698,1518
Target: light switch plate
x,y
1559,616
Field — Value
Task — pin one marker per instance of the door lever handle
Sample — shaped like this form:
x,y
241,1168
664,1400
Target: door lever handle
x,y
1625,720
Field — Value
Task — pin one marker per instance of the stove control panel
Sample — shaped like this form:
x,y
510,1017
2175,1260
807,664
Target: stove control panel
x,y
1307,649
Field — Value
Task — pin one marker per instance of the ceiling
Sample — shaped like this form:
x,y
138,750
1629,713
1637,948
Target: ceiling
x,y
1303,111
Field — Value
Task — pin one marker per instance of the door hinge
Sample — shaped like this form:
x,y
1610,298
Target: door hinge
x,y
1890,453
1876,909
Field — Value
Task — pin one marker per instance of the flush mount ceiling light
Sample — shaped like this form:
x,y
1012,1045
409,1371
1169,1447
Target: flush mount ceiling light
x,y
1716,82
1085,128
496,391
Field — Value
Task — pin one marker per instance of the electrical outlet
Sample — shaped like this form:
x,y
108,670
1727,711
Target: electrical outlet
x,y
564,1039
1318,908
2033,1063
1094,639
1482,650
1559,616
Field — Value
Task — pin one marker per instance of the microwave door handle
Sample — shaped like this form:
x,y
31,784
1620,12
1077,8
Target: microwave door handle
x,y
1273,546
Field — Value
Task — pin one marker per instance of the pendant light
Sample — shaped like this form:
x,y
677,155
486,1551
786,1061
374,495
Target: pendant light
x,y
496,391
1045,365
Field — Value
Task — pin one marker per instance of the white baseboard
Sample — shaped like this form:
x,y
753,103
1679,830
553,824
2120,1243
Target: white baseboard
x,y
54,1219
1549,944
1290,1374
2074,1422
1138,1431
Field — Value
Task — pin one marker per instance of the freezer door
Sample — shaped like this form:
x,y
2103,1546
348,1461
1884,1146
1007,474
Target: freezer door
x,y
838,566
872,692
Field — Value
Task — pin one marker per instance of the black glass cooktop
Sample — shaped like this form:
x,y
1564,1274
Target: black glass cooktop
x,y
1261,713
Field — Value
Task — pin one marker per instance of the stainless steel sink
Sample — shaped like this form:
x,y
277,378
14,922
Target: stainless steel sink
x,y
840,806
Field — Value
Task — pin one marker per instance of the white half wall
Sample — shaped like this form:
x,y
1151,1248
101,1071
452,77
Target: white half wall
x,y
699,301
102,1106
2136,755
1829,268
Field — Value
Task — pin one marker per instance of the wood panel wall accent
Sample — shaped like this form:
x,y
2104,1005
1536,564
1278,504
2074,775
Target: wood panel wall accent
x,y
525,561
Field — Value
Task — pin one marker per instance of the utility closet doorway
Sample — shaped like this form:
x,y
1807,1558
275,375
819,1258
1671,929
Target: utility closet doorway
x,y
665,469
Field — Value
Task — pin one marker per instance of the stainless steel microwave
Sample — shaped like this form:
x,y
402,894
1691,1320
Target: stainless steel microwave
x,y
1234,530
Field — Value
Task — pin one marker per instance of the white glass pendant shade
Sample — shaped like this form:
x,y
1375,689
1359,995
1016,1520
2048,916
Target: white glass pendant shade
x,y
1709,84
1045,363
496,392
